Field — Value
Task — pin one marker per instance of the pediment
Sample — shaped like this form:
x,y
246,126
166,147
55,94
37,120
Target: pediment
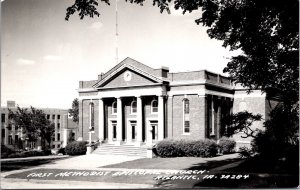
x,y
127,75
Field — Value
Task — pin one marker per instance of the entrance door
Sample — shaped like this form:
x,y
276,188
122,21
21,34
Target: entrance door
x,y
133,131
154,132
114,130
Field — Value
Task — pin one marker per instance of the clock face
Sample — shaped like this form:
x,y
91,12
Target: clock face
x,y
127,76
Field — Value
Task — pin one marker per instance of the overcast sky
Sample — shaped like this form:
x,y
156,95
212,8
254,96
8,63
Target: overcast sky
x,y
43,57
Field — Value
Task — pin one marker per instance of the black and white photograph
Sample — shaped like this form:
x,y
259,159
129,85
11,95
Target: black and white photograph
x,y
149,94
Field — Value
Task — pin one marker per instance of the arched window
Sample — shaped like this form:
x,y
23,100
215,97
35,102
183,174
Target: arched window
x,y
133,107
186,116
114,108
186,104
154,106
92,108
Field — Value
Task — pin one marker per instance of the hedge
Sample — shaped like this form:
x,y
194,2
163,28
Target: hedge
x,y
5,151
226,145
76,148
190,148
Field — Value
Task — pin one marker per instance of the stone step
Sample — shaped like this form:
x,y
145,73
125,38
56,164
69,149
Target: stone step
x,y
125,149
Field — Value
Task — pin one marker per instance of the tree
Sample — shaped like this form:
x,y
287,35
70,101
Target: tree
x,y
241,122
265,31
34,124
74,111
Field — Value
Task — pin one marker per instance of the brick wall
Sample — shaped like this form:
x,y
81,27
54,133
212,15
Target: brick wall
x,y
197,117
255,104
84,120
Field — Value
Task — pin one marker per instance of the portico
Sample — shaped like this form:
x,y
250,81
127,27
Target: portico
x,y
128,119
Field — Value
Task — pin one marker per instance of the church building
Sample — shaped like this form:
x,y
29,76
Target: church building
x,y
135,104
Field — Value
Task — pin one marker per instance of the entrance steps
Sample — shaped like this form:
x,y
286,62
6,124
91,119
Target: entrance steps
x,y
123,149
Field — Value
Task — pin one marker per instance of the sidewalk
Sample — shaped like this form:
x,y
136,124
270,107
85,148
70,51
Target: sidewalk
x,y
88,162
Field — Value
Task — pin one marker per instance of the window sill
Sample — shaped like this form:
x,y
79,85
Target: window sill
x,y
186,133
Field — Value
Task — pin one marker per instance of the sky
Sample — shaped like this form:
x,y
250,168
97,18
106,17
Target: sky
x,y
43,57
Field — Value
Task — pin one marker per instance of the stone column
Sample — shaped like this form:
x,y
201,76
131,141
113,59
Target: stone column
x,y
80,135
139,120
101,120
161,121
119,120
218,131
148,134
212,116
110,132
128,132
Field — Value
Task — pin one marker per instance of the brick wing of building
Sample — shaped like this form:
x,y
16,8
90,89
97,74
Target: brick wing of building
x,y
135,104
13,135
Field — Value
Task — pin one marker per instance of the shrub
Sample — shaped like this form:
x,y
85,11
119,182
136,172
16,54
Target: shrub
x,y
177,148
62,151
245,152
76,148
167,148
26,154
206,148
5,151
226,145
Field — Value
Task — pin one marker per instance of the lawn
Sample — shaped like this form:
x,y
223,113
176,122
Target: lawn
x,y
178,163
17,164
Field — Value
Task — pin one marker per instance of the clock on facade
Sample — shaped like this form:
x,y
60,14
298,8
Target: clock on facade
x,y
127,76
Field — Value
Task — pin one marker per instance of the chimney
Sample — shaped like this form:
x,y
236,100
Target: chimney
x,y
100,77
164,71
11,104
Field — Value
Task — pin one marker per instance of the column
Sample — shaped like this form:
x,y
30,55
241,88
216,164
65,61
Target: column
x,y
101,120
218,131
161,121
119,120
212,116
139,121
80,134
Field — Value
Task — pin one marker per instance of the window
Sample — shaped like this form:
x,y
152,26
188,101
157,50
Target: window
x,y
114,107
53,146
16,139
3,133
58,136
133,107
186,116
9,139
3,118
186,106
92,117
154,106
58,116
53,116
58,127
186,126
58,146
48,116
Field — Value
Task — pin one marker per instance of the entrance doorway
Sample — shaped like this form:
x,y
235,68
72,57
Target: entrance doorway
x,y
153,131
114,130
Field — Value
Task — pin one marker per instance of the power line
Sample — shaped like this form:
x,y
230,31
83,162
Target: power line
x,y
117,33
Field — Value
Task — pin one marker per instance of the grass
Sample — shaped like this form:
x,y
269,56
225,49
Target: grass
x,y
178,163
26,163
